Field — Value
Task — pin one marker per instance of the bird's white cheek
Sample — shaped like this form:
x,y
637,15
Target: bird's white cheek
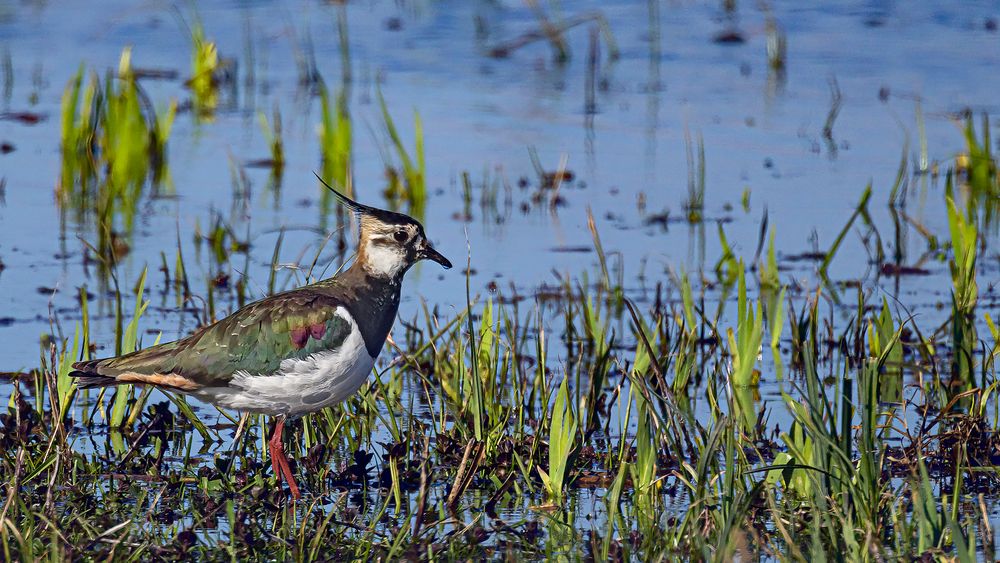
x,y
384,261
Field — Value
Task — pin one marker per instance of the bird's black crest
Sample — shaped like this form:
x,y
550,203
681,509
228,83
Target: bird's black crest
x,y
360,209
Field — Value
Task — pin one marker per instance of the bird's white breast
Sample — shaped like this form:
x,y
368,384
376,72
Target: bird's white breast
x,y
300,385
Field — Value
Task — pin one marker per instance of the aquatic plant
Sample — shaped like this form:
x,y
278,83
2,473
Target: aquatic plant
x,y
79,130
694,205
727,267
127,341
411,183
965,292
792,467
113,141
124,133
204,66
686,354
644,471
745,344
861,210
562,435
882,339
272,134
769,276
980,169
772,294
469,403
995,331
335,142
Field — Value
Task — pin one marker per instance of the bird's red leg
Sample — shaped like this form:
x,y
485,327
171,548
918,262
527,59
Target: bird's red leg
x,y
289,478
278,460
276,432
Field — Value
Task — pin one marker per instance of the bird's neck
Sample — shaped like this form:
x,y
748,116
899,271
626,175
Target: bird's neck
x,y
372,301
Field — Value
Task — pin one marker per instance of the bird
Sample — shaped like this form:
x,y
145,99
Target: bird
x,y
291,353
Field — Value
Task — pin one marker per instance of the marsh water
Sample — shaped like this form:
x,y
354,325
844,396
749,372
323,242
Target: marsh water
x,y
896,78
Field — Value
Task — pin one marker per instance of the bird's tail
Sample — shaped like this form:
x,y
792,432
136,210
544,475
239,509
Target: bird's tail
x,y
144,367
88,375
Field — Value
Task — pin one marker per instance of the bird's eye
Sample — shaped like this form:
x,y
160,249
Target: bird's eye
x,y
400,236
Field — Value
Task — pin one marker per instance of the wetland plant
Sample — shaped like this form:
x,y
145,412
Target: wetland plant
x,y
498,426
861,210
562,436
745,344
79,125
128,341
112,141
980,167
727,268
272,134
772,295
133,140
768,274
687,357
643,470
965,291
694,205
883,340
204,67
335,142
409,181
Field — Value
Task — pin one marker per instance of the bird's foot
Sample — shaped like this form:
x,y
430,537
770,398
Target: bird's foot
x,y
279,463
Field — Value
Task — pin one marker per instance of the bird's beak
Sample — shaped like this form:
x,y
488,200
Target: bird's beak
x,y
428,253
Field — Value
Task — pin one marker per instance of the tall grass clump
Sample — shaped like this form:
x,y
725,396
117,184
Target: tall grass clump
x,y
845,493
490,378
115,126
80,117
130,137
113,141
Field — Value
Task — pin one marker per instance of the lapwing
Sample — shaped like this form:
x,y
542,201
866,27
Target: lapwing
x,y
291,353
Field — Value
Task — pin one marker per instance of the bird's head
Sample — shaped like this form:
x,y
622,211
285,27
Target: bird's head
x,y
390,242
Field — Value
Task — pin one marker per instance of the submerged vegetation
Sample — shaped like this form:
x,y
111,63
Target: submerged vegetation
x,y
733,411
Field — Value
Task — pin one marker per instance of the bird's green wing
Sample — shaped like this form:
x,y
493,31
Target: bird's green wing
x,y
255,339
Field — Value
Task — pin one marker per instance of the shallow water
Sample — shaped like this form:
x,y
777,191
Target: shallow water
x,y
482,114
762,131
